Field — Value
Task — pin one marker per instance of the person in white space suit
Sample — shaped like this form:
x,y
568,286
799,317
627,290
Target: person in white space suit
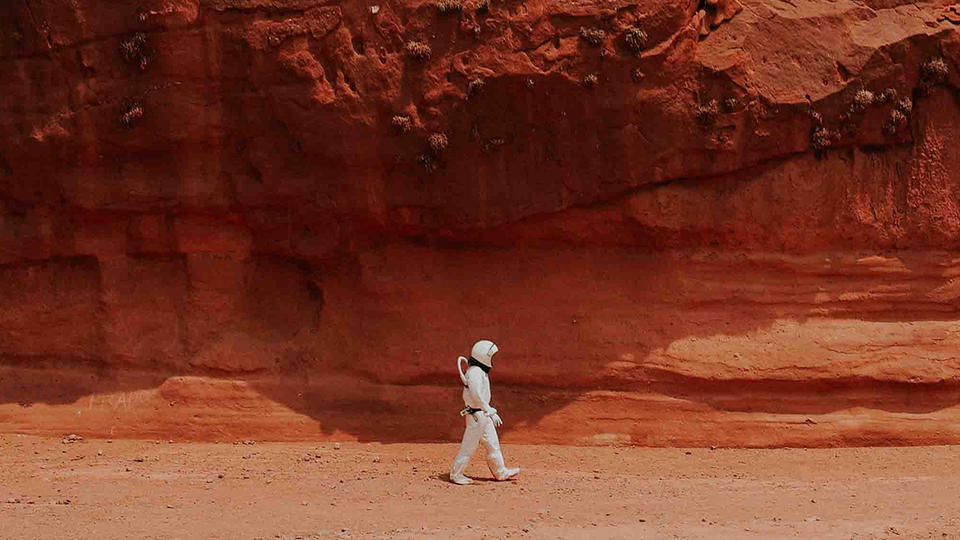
x,y
482,419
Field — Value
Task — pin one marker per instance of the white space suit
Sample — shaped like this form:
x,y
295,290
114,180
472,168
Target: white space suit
x,y
482,419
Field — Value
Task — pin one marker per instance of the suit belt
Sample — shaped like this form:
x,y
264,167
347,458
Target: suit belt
x,y
469,410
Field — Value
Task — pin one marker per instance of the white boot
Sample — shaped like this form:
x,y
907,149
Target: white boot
x,y
456,471
507,474
499,469
460,480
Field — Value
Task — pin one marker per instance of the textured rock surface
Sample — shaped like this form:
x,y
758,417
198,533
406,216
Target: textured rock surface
x,y
224,218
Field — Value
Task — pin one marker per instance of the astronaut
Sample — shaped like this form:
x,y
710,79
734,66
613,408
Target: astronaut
x,y
482,419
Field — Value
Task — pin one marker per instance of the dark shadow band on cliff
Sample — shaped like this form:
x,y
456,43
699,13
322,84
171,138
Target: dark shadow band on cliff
x,y
428,413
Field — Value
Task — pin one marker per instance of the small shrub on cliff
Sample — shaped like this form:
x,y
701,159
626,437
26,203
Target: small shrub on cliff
x,y
637,75
482,6
594,36
905,105
862,100
427,162
934,71
707,112
131,111
891,125
730,104
591,80
449,6
438,143
418,50
136,50
889,95
401,123
815,117
635,39
820,138
475,86
894,121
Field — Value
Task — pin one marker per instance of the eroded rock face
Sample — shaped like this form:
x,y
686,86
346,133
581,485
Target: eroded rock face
x,y
697,223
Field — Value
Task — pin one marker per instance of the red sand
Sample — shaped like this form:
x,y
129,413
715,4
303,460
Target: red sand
x,y
137,489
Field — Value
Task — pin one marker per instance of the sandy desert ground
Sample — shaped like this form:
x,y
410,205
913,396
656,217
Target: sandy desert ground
x,y
54,488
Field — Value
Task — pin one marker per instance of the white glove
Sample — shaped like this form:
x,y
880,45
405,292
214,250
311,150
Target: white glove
x,y
497,422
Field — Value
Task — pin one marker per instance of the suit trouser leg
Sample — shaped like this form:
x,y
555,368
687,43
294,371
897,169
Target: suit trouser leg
x,y
491,441
472,434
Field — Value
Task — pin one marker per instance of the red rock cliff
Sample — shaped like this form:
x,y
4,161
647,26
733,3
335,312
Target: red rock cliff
x,y
684,222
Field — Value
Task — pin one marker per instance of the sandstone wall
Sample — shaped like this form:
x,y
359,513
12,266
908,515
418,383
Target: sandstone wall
x,y
225,219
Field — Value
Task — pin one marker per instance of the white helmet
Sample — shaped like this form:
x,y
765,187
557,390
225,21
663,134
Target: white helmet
x,y
483,352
